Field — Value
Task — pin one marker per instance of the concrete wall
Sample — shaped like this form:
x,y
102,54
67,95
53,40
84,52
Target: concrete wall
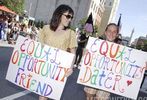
x,y
111,7
43,9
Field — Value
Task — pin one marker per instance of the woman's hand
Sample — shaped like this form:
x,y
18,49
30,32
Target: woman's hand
x,y
69,72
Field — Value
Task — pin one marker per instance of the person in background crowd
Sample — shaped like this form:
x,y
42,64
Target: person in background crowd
x,y
1,28
16,30
145,74
5,30
82,39
58,34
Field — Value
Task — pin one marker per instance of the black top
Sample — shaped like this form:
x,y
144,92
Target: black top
x,y
83,40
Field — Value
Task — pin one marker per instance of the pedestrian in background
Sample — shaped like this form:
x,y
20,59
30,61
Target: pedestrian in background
x,y
58,34
1,28
82,40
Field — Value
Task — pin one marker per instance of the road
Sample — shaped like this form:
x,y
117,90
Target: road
x,y
72,90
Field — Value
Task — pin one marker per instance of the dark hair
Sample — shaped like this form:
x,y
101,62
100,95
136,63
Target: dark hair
x,y
56,17
114,25
118,39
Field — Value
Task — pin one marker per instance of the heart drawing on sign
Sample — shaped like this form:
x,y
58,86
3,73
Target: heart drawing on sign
x,y
129,82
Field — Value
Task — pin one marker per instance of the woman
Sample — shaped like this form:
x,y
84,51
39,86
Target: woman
x,y
110,34
58,34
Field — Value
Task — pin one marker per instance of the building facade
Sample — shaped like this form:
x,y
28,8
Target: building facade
x,y
42,10
109,15
97,9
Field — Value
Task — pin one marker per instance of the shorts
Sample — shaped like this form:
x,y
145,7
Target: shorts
x,y
100,94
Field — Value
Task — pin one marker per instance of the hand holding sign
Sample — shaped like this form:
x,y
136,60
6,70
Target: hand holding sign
x,y
69,72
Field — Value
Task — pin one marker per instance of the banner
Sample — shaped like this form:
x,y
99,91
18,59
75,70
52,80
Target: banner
x,y
39,68
112,67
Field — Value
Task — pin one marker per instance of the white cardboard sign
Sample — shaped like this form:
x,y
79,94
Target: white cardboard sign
x,y
39,68
112,67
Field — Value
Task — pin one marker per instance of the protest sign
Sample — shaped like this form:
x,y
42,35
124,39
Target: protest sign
x,y
112,67
39,68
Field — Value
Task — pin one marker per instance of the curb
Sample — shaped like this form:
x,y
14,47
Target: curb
x,y
5,44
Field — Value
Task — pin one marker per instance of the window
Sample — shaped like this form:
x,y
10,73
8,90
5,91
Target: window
x,y
110,4
94,7
100,12
92,4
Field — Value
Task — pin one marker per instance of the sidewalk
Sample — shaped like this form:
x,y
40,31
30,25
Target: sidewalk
x,y
5,44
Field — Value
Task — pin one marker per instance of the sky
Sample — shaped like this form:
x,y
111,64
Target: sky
x,y
134,15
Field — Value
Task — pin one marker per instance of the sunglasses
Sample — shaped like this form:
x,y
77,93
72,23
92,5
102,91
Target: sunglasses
x,y
68,16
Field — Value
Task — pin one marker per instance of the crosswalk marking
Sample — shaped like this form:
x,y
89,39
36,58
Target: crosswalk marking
x,y
143,90
17,95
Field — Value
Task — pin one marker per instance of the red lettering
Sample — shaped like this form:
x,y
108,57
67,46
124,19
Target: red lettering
x,y
22,47
15,57
65,71
31,47
87,76
87,58
115,52
28,82
103,48
21,82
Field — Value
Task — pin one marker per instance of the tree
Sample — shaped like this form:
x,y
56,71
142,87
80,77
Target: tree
x,y
41,24
82,22
38,24
15,5
138,47
143,46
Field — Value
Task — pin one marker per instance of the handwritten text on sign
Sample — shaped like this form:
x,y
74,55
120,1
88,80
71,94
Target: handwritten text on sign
x,y
112,67
40,69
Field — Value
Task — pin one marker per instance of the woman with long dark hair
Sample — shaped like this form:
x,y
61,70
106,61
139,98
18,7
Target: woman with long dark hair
x,y
58,34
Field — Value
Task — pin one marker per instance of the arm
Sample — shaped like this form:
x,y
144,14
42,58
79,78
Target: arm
x,y
82,41
72,46
70,70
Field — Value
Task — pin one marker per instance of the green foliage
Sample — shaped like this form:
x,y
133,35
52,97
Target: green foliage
x,y
72,27
39,24
96,29
142,47
15,5
82,22
138,47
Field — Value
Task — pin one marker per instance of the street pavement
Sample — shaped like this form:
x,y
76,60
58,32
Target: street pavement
x,y
72,90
